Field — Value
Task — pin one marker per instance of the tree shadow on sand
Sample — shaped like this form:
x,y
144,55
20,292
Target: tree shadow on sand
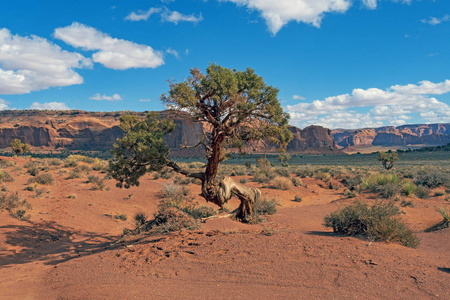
x,y
48,242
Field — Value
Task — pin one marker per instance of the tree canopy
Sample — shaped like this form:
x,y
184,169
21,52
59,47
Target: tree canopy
x,y
237,107
18,147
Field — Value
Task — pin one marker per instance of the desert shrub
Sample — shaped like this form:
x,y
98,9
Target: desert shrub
x,y
264,173
349,194
166,173
70,162
423,192
325,176
388,190
140,219
352,183
263,206
97,183
284,172
445,214
5,176
408,188
15,204
297,199
433,178
281,183
439,193
199,212
406,203
243,181
172,219
33,171
99,165
373,181
39,192
29,188
6,163
304,172
377,222
72,196
296,181
44,179
56,162
74,173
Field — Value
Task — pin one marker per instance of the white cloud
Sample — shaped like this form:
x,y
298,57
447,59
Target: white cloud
x,y
33,63
49,106
111,52
99,97
145,100
176,17
298,97
278,13
371,4
173,52
166,15
436,21
142,15
4,105
389,106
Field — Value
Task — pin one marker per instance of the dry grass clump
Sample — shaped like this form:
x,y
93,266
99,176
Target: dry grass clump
x,y
423,192
55,162
16,205
6,163
263,206
377,222
46,179
433,178
97,183
445,223
281,183
5,177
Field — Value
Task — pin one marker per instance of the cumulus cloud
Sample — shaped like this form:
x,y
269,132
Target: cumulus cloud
x,y
33,63
391,106
436,21
49,106
99,97
278,13
111,52
4,105
145,100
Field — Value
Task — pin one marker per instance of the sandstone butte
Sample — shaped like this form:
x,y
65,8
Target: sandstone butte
x,y
81,130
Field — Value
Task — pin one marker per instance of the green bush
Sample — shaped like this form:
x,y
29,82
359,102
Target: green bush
x,y
263,206
388,190
434,179
297,199
377,222
409,188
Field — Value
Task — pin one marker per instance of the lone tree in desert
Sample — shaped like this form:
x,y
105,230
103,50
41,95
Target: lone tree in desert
x,y
236,106
18,147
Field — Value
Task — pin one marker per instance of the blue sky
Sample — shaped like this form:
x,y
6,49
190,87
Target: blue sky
x,y
337,63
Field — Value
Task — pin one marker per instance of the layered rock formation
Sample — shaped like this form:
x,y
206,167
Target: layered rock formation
x,y
390,136
79,130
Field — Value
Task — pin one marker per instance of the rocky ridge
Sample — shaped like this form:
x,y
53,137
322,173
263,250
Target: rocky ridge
x,y
80,130
390,136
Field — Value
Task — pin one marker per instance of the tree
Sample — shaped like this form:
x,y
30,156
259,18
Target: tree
x,y
19,147
388,159
237,108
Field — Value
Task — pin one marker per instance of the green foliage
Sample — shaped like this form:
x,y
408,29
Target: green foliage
x,y
142,150
388,159
423,192
433,178
377,222
297,199
409,188
18,147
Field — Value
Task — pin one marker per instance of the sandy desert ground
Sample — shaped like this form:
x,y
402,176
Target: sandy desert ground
x,y
68,249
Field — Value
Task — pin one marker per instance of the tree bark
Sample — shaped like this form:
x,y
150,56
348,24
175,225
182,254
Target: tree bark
x,y
228,187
